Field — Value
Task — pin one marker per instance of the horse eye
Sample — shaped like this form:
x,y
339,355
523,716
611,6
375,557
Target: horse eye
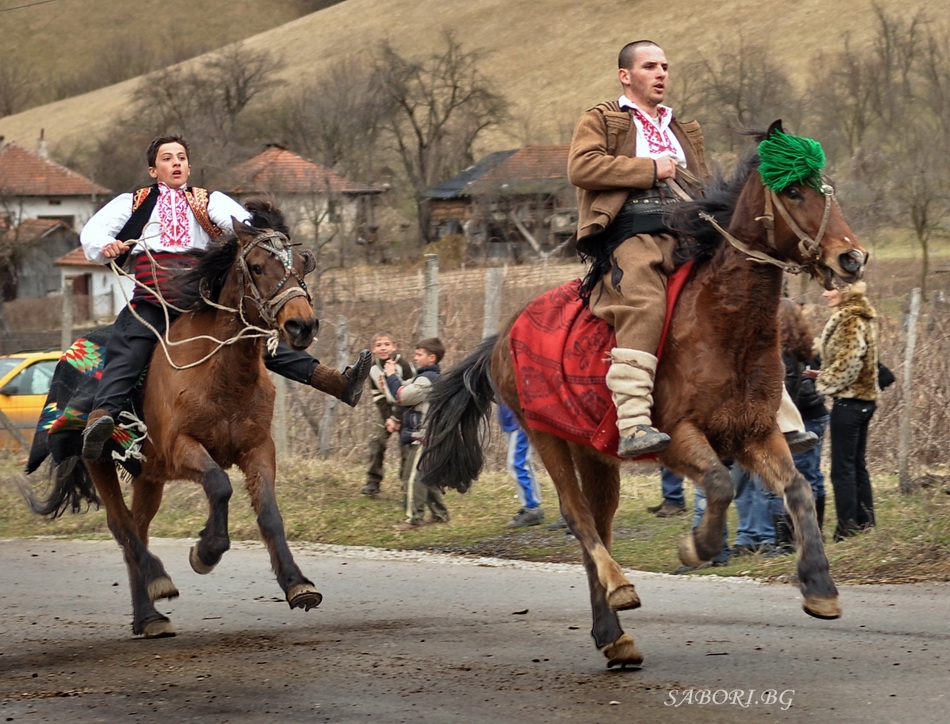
x,y
793,193
257,269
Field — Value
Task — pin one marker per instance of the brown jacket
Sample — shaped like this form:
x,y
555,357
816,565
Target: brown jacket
x,y
603,165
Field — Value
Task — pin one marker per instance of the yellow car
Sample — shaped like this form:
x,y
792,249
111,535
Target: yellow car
x,y
24,382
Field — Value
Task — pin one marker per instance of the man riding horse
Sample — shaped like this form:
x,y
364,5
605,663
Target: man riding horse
x,y
629,159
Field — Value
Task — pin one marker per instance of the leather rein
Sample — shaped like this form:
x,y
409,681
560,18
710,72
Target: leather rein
x,y
808,246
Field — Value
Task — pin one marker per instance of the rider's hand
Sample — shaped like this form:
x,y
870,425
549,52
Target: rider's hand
x,y
114,249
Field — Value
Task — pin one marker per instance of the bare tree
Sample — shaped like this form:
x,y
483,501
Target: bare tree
x,y
17,87
440,105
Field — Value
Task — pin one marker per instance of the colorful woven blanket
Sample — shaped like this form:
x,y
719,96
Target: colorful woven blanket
x,y
68,404
561,354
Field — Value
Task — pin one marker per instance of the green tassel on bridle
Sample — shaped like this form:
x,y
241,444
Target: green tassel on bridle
x,y
786,159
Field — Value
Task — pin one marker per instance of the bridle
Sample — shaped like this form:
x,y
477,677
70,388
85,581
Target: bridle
x,y
808,246
269,305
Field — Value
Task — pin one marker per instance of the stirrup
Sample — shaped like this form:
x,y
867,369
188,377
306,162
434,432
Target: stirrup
x,y
643,441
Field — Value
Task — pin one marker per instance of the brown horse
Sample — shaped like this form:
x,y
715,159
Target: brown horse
x,y
204,418
716,394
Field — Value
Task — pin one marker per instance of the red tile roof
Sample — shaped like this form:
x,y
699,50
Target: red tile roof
x,y
75,258
532,163
280,171
25,173
30,230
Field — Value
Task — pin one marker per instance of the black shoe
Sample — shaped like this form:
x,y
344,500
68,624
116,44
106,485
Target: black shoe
x,y
356,375
559,524
97,433
643,441
799,442
655,508
668,510
371,489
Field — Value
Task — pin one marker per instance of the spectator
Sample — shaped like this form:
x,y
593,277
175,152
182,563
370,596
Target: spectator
x,y
522,471
384,348
413,396
849,374
674,501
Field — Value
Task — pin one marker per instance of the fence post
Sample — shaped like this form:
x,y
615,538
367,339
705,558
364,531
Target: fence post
x,y
329,413
430,309
903,445
494,279
67,335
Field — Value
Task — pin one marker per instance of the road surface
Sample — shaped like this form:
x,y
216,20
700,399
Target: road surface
x,y
411,637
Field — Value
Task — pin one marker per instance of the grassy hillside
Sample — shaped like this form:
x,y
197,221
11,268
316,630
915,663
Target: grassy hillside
x,y
551,59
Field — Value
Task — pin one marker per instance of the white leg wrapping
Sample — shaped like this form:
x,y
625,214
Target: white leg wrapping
x,y
630,381
789,418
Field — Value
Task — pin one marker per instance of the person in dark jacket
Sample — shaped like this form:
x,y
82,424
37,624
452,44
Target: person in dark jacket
x,y
413,397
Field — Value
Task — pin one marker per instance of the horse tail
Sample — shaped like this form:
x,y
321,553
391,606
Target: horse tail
x,y
71,488
457,421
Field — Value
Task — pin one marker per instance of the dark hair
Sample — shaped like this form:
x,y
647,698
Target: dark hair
x,y
794,331
152,152
629,52
433,345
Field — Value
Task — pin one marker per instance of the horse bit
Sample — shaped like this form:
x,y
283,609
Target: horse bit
x,y
279,246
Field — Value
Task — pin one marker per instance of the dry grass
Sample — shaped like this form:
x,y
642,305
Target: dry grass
x,y
552,60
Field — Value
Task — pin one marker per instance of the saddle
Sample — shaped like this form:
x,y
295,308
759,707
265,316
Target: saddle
x,y
561,353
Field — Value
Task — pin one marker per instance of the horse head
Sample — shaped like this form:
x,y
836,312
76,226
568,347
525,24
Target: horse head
x,y
271,274
790,209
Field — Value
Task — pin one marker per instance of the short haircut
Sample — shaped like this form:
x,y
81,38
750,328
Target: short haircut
x,y
157,143
433,345
383,335
629,52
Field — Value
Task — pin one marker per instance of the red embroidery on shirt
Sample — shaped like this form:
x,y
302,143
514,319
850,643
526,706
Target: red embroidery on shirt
x,y
173,217
657,137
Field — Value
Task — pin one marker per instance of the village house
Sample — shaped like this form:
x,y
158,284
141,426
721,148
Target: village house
x,y
516,200
320,205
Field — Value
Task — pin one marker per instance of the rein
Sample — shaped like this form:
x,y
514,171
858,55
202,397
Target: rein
x,y
807,245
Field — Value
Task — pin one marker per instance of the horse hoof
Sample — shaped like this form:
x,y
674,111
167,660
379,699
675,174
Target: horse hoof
x,y
162,588
822,607
196,565
161,629
623,598
687,552
304,596
623,653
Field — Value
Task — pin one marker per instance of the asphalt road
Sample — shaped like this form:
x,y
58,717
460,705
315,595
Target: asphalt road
x,y
405,637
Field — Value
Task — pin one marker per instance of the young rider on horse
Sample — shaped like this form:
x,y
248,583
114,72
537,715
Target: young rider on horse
x,y
172,218
625,158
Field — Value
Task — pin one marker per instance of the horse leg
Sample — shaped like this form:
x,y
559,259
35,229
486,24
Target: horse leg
x,y
148,580
197,465
772,462
260,467
691,455
600,483
610,590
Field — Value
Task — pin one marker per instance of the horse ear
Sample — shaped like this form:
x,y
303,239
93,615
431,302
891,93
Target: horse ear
x,y
241,230
776,127
309,261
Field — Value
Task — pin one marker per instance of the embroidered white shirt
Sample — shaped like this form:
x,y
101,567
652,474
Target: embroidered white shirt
x,y
101,229
660,128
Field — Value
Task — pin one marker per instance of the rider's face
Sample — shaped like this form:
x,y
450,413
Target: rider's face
x,y
644,82
171,165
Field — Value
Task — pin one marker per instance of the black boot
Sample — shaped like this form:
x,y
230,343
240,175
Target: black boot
x,y
820,511
784,534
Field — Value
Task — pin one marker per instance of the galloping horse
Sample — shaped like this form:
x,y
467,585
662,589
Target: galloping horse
x,y
716,394
203,418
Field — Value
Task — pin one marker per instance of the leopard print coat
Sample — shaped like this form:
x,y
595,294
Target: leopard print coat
x,y
849,352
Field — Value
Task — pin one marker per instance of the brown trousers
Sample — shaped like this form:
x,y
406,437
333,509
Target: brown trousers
x,y
632,295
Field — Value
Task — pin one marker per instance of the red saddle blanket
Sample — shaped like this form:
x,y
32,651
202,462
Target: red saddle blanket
x,y
561,353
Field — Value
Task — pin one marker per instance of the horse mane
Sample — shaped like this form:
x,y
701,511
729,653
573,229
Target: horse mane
x,y
205,279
